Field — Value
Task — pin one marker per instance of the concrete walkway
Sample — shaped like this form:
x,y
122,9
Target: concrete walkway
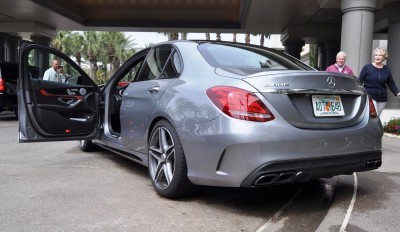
x,y
387,114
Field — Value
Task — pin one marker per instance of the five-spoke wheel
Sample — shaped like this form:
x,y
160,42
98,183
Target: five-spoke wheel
x,y
167,164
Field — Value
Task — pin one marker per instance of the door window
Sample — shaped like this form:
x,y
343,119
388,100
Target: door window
x,y
161,62
49,67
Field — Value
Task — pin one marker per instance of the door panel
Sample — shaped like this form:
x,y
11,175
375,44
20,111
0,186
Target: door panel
x,y
143,94
53,105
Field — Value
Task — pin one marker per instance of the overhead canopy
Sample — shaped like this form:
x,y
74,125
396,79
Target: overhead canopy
x,y
241,16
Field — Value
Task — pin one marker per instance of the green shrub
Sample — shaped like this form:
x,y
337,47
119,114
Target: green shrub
x,y
393,126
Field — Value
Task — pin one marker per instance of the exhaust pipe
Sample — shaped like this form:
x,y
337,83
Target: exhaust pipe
x,y
275,178
374,164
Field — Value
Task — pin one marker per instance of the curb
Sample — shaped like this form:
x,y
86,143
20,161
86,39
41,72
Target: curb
x,y
391,135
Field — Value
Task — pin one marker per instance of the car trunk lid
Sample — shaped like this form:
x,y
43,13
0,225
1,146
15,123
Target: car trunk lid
x,y
307,99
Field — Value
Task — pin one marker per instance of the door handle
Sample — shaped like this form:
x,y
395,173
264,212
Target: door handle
x,y
65,101
153,89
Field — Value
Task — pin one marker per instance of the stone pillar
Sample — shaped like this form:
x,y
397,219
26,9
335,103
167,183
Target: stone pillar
x,y
293,47
41,58
12,44
393,15
357,32
42,40
322,57
3,37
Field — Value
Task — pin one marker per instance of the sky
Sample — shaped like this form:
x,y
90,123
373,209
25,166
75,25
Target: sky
x,y
143,38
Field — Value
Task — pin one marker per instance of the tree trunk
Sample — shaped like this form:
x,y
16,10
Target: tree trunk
x,y
234,37
208,36
184,35
247,39
218,36
262,40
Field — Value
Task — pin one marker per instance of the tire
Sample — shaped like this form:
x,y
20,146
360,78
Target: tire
x,y
87,146
167,164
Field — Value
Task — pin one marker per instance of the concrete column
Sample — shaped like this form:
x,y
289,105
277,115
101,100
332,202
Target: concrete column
x,y
293,47
12,43
41,58
42,40
322,57
3,37
357,32
393,15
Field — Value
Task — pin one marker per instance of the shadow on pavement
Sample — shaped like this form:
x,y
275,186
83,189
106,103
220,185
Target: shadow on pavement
x,y
7,116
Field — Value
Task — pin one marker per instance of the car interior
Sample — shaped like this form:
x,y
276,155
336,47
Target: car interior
x,y
118,88
161,62
73,105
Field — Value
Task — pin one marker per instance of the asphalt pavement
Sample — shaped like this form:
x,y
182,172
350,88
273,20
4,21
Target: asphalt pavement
x,y
53,186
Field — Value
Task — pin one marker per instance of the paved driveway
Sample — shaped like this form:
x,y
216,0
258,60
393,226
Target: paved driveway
x,y
56,187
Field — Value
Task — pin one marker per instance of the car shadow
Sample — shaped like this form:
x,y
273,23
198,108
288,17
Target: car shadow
x,y
251,201
7,116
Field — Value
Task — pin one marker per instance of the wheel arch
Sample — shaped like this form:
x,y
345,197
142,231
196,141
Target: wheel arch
x,y
154,122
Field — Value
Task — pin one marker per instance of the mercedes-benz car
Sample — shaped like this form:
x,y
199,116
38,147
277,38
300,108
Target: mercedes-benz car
x,y
8,86
206,113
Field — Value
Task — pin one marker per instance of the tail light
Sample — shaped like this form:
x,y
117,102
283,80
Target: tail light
x,y
372,110
2,85
239,103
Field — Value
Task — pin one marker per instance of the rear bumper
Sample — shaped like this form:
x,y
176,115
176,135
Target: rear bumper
x,y
281,172
235,153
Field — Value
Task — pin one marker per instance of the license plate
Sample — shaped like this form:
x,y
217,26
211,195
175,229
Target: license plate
x,y
327,105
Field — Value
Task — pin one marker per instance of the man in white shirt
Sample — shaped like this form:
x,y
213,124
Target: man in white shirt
x,y
51,73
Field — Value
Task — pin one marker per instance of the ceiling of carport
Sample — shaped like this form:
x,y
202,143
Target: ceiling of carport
x,y
43,17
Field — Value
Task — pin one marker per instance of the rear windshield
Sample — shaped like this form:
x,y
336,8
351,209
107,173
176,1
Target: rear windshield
x,y
240,57
9,71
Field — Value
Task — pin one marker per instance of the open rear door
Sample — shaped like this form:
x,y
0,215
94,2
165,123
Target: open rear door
x,y
55,104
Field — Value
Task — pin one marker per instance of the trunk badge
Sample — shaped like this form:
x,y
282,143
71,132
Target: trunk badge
x,y
331,82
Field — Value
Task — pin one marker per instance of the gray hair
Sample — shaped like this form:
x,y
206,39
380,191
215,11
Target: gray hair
x,y
341,53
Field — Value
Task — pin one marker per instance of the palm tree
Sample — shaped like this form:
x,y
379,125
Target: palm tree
x,y
208,36
184,35
74,46
173,36
92,51
218,36
114,49
262,37
60,40
247,38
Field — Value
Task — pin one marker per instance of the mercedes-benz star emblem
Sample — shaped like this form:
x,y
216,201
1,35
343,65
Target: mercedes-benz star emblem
x,y
331,82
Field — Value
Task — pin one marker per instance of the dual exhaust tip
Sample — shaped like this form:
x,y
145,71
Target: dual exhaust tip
x,y
289,176
276,178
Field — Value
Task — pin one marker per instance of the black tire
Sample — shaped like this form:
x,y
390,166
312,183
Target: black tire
x,y
87,145
167,167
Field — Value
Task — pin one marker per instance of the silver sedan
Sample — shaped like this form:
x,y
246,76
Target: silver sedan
x,y
206,113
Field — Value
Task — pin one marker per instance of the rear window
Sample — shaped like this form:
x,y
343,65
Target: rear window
x,y
9,71
230,56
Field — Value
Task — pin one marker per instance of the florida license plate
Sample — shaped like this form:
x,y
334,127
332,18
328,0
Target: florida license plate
x,y
327,105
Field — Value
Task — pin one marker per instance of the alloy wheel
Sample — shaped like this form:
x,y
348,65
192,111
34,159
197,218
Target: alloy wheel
x,y
161,157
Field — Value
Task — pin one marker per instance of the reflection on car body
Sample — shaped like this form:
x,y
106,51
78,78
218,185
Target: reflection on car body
x,y
210,113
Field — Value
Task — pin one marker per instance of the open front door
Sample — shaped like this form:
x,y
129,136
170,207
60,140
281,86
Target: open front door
x,y
57,100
